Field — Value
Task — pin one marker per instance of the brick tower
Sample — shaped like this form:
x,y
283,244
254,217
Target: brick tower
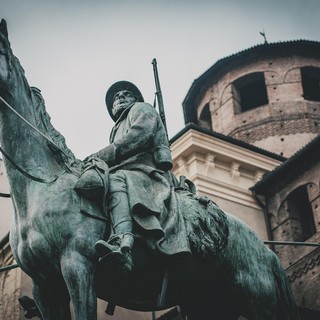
x,y
267,95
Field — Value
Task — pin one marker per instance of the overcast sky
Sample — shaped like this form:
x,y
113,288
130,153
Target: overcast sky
x,y
73,50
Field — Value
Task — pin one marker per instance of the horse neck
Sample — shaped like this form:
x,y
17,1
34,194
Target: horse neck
x,y
28,149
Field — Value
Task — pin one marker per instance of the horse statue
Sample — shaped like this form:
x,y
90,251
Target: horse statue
x,y
229,273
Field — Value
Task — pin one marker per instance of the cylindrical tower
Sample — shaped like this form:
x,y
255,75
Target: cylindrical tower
x,y
268,95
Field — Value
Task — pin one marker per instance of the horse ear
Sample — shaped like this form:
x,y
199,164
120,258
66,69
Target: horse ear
x,y
3,28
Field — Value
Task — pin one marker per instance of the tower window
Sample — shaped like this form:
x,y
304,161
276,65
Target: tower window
x,y
205,117
300,210
250,92
310,77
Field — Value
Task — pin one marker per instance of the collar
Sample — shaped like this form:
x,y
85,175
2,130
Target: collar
x,y
124,113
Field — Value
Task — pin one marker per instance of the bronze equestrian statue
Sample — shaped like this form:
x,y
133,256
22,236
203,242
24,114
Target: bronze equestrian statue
x,y
209,258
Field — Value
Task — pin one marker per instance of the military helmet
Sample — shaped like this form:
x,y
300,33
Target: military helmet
x,y
118,86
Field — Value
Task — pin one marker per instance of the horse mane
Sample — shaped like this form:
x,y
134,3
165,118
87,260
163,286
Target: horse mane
x,y
206,224
63,155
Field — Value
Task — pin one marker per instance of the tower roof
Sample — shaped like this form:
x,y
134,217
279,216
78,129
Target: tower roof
x,y
304,48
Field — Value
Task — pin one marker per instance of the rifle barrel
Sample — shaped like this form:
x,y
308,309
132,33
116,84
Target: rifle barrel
x,y
159,94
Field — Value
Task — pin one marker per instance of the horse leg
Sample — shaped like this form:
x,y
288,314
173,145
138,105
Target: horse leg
x,y
78,273
52,300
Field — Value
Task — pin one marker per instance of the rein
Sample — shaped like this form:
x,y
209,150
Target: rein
x,y
30,125
32,177
44,136
28,174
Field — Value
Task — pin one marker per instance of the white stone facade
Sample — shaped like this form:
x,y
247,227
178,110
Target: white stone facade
x,y
224,172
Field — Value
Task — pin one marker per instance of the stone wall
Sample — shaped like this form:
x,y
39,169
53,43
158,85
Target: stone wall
x,y
6,209
304,278
10,284
302,263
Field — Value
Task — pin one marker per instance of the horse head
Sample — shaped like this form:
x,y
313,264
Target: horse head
x,y
5,53
10,68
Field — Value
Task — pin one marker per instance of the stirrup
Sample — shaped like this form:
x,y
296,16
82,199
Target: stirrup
x,y
117,254
116,244
103,248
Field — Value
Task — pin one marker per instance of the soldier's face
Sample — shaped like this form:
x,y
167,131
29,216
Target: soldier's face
x,y
121,100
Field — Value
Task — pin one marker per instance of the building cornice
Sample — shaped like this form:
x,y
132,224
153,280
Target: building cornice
x,y
193,139
218,188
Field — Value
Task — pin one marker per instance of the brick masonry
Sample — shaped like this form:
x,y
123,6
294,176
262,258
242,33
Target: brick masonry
x,y
287,112
278,126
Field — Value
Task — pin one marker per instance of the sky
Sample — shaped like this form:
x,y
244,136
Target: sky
x,y
73,50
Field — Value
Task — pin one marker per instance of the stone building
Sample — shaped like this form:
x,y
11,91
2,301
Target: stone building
x,y
224,168
292,200
246,144
9,280
267,96
5,202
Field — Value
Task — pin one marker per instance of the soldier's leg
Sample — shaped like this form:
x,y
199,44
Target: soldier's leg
x,y
121,242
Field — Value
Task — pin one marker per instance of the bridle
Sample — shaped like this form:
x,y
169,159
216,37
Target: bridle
x,y
38,179
21,170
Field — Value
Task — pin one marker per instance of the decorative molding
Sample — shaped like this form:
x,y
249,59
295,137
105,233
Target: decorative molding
x,y
234,171
194,141
303,266
182,166
258,175
221,189
209,163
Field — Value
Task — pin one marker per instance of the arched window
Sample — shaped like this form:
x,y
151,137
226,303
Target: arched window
x,y
300,211
310,77
250,92
205,118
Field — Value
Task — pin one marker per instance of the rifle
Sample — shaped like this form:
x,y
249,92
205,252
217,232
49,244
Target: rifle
x,y
159,95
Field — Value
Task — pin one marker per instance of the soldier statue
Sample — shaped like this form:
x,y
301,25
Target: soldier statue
x,y
141,183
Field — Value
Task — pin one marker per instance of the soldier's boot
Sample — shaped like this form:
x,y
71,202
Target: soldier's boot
x,y
118,248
